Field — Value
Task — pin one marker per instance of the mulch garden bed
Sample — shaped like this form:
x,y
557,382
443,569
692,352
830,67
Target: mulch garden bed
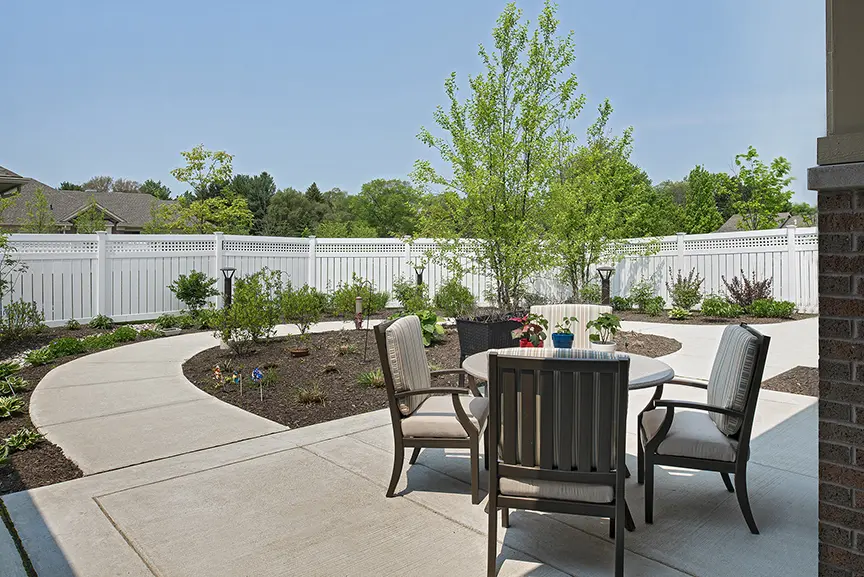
x,y
45,463
334,375
800,381
697,319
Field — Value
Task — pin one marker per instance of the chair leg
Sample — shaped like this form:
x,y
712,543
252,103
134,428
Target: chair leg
x,y
629,523
619,542
727,482
649,490
640,462
414,456
492,538
611,527
486,449
505,517
744,501
398,459
475,472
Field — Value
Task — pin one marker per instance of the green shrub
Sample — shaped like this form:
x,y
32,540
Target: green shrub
x,y
345,295
256,303
374,379
719,307
411,296
654,306
22,440
124,334
303,307
454,299
65,346
9,405
149,334
311,395
604,328
99,342
769,308
206,318
8,368
432,331
621,304
641,293
685,292
185,321
591,293
39,357
166,321
194,289
101,322
72,325
744,291
679,314
13,384
20,319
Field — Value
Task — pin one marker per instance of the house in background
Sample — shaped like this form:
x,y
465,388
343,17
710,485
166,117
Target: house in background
x,y
784,220
124,212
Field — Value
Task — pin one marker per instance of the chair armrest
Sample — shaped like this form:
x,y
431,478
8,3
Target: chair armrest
x,y
697,406
434,391
443,372
688,382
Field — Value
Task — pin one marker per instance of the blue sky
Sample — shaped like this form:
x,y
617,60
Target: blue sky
x,y
335,91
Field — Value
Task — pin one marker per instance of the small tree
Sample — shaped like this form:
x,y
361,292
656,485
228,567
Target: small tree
x,y
91,220
762,190
156,189
205,171
193,290
303,307
700,206
10,267
99,184
39,219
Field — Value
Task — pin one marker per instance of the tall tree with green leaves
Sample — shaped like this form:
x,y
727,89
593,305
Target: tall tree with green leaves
x,y
228,215
40,218
258,191
125,185
345,229
98,184
700,207
206,171
66,185
762,190
806,211
292,213
155,189
313,193
91,220
500,142
389,206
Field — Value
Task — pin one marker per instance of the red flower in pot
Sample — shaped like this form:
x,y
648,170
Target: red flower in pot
x,y
532,333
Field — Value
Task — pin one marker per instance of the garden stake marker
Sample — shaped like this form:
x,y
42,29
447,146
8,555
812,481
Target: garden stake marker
x,y
258,376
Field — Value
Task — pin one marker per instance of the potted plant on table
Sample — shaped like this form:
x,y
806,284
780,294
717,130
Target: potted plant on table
x,y
607,326
484,330
562,338
532,333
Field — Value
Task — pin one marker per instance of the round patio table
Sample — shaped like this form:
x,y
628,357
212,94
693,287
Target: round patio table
x,y
645,372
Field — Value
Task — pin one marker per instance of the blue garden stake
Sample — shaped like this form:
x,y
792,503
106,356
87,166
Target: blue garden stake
x,y
257,377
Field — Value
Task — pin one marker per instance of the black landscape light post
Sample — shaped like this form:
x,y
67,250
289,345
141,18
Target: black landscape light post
x,y
418,270
605,273
227,274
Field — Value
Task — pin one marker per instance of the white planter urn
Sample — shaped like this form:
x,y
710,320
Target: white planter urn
x,y
603,347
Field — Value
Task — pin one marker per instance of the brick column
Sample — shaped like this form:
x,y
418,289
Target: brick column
x,y
841,368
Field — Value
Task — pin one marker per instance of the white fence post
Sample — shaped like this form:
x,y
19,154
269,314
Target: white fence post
x,y
218,263
792,270
408,268
101,273
312,269
679,258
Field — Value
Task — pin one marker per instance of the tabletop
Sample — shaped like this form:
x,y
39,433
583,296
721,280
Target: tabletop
x,y
645,372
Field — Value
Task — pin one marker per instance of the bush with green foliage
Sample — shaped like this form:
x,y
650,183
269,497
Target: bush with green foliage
x,y
411,296
101,322
621,304
166,321
22,440
256,303
679,314
72,325
591,293
744,291
641,293
654,306
64,347
719,307
373,379
8,368
769,308
99,342
454,299
20,319
606,326
13,384
149,334
206,318
432,331
303,307
193,290
124,334
685,292
9,405
345,295
39,357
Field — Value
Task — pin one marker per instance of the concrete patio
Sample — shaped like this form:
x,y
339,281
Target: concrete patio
x,y
168,494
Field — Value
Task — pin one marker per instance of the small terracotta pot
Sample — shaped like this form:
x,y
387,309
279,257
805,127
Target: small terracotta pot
x,y
299,352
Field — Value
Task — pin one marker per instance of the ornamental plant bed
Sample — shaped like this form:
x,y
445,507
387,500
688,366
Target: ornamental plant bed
x,y
800,381
698,319
328,380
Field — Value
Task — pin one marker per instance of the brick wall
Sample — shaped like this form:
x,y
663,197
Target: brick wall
x,y
841,385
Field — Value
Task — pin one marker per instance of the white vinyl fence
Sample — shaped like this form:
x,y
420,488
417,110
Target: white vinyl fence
x,y
126,276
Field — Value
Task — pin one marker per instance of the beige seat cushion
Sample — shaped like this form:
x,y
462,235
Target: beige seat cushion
x,y
435,417
556,490
692,434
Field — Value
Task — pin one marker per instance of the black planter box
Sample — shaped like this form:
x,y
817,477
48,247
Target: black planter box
x,y
478,335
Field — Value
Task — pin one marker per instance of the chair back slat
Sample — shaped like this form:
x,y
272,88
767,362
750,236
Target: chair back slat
x,y
546,419
510,422
566,421
528,437
585,421
605,406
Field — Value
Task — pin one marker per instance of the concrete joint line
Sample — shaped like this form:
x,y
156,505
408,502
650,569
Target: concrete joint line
x,y
147,563
130,411
111,382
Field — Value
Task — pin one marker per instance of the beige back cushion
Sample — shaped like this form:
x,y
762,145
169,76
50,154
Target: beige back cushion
x,y
585,313
407,358
730,376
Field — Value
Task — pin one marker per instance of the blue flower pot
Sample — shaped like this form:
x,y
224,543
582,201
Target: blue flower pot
x,y
562,341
